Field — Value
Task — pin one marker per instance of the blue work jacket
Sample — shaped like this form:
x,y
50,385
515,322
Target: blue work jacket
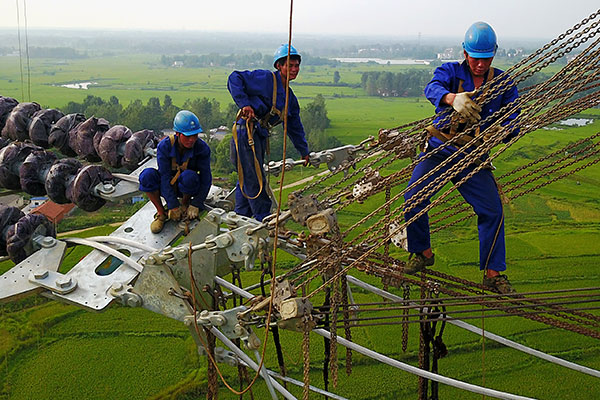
x,y
199,157
446,79
255,89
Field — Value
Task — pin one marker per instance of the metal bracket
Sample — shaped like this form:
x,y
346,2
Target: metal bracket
x,y
338,157
275,167
53,281
283,291
302,207
294,308
241,243
15,282
399,238
222,356
229,323
323,222
123,293
365,185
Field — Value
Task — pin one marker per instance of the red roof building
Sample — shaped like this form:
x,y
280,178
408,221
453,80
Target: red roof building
x,y
54,212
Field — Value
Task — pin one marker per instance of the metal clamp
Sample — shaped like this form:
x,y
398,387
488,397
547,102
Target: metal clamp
x,y
275,167
124,294
54,281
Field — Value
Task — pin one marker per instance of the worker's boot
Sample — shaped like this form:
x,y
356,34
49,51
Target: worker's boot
x,y
499,283
417,262
159,222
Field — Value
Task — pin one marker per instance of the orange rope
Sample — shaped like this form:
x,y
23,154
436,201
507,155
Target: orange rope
x,y
270,312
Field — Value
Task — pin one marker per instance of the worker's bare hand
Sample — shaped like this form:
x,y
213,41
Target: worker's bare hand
x,y
466,107
306,159
248,113
175,214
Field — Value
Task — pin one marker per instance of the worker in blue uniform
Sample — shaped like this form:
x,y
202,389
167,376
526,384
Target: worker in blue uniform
x,y
183,173
453,85
260,95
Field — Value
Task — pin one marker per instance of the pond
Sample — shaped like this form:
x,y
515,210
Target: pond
x,y
79,85
576,121
380,61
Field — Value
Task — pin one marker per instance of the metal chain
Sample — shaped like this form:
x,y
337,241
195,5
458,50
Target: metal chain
x,y
540,96
211,372
388,192
306,354
347,331
406,297
333,359
476,288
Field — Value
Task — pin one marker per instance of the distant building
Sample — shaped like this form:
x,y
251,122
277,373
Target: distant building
x,y
448,54
34,203
220,132
166,132
215,133
137,199
177,64
12,200
54,212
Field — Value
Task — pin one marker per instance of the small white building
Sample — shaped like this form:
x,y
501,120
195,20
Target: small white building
x,y
220,132
34,203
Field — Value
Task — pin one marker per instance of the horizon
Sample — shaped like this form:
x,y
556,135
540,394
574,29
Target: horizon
x,y
347,18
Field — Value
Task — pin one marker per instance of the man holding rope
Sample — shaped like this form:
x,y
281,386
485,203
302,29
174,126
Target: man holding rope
x,y
453,85
261,97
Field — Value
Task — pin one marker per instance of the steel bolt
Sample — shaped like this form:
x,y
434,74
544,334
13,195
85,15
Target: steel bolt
x,y
48,241
40,274
63,282
238,330
117,287
246,249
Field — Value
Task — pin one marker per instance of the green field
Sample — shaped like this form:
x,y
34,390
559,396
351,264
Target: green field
x,y
50,350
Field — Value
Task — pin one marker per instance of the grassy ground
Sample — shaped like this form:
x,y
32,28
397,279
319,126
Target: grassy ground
x,y
50,350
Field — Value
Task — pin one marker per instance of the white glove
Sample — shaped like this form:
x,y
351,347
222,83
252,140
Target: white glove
x,y
466,107
192,212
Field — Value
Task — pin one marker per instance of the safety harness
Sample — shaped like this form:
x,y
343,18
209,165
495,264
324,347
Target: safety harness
x,y
456,122
175,166
265,123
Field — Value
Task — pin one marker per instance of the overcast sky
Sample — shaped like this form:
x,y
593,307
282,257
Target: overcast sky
x,y
393,18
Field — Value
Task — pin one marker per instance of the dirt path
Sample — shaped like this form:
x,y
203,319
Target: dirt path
x,y
301,181
85,229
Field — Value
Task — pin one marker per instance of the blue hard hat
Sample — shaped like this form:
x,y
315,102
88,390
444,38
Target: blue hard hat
x,y
480,41
282,52
187,123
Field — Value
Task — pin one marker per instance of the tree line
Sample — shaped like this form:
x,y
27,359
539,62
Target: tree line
x,y
159,116
409,83
254,60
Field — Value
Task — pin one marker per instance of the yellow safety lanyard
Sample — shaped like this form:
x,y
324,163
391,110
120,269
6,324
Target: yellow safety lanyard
x,y
174,165
264,122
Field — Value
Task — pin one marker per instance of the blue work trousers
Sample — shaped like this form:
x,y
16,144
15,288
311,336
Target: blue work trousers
x,y
481,192
260,207
187,183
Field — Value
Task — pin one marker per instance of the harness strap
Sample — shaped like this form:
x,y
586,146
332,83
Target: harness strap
x,y
175,166
265,121
257,166
456,121
444,137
